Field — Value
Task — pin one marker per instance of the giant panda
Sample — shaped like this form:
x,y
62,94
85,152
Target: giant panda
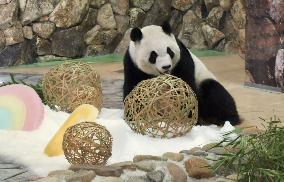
x,y
154,50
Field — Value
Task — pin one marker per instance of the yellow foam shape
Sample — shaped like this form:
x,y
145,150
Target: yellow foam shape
x,y
82,113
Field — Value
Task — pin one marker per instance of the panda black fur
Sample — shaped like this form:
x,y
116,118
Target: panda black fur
x,y
153,50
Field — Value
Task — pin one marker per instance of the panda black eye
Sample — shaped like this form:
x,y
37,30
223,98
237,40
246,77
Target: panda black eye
x,y
153,57
170,52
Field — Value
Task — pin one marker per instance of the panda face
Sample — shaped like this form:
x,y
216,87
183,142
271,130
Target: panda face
x,y
154,50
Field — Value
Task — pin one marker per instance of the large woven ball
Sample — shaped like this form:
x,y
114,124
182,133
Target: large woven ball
x,y
71,84
164,107
87,143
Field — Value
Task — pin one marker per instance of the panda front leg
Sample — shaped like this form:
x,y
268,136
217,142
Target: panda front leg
x,y
216,105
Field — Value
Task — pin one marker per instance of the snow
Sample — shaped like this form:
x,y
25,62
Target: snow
x,y
27,147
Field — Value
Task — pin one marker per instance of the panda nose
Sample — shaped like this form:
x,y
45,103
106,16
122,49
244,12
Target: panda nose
x,y
166,67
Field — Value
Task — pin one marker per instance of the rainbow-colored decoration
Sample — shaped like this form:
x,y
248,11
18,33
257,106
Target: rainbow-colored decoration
x,y
20,108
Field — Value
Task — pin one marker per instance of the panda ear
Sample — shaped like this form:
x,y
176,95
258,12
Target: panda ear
x,y
167,28
136,34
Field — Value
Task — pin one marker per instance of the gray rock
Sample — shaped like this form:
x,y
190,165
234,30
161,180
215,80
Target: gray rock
x,y
191,34
112,179
46,7
43,47
49,179
44,29
92,35
215,16
69,13
210,4
97,3
20,53
146,165
122,23
106,17
124,165
68,42
59,173
226,4
176,22
182,5
98,36
91,19
124,43
238,13
4,1
8,14
136,17
242,39
139,158
22,5
28,32
14,34
143,4
218,150
221,45
96,50
191,151
160,12
199,153
99,170
173,156
156,176
81,176
177,173
120,6
212,35
2,40
137,179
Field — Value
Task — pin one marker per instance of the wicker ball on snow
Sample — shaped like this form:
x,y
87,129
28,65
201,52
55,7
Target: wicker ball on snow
x,y
164,106
87,143
69,85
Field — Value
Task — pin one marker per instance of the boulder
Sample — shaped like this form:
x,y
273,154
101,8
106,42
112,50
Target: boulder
x,y
176,21
122,23
43,47
20,53
68,42
96,50
198,168
210,4
91,19
22,5
120,6
177,173
136,17
4,2
182,5
212,35
242,39
238,13
276,10
124,43
106,17
191,34
8,14
160,12
69,13
44,29
28,32
2,40
226,4
142,4
97,3
14,34
215,16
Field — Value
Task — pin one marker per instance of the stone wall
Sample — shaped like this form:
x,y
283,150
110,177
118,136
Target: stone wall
x,y
76,28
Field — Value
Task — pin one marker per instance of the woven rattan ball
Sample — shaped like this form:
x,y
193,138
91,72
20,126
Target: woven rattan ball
x,y
87,143
71,84
164,107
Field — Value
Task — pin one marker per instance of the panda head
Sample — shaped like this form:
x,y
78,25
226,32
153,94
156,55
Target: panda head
x,y
154,49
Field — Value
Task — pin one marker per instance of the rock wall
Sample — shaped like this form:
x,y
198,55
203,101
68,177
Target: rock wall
x,y
76,28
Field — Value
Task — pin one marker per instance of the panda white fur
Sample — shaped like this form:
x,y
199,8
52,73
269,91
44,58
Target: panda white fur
x,y
154,50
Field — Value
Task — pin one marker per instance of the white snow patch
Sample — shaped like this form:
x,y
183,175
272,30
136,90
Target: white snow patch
x,y
27,147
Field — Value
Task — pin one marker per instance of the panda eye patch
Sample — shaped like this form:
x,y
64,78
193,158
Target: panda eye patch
x,y
153,57
170,52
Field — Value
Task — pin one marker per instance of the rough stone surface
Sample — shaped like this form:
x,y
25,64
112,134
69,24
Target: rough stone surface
x,y
124,43
99,170
14,34
81,176
139,158
59,173
97,3
226,4
160,12
44,29
212,35
198,168
137,179
68,42
156,176
147,165
106,17
238,13
112,179
210,4
143,4
177,173
28,32
182,5
43,47
20,53
69,13
191,151
173,156
191,34
122,23
124,165
90,19
176,21
96,50
215,16
209,146
120,6
137,16
2,40
8,14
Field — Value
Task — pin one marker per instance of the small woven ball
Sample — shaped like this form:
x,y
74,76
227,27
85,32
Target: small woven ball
x,y
87,143
164,107
71,84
